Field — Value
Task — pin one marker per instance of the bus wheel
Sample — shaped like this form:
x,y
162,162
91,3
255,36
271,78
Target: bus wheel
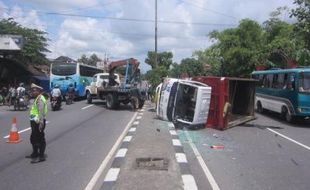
x,y
88,97
287,115
259,107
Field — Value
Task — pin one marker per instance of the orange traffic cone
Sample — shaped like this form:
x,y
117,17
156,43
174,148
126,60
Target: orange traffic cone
x,y
13,136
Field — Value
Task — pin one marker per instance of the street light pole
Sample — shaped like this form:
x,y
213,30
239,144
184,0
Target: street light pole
x,y
155,33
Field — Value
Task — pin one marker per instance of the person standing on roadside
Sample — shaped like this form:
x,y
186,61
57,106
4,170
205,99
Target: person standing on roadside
x,y
38,113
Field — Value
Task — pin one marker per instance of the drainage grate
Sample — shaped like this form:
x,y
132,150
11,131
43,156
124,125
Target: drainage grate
x,y
152,163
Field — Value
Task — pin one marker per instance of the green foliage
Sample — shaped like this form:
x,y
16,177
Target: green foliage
x,y
189,67
160,71
164,59
302,26
92,60
35,42
237,50
155,76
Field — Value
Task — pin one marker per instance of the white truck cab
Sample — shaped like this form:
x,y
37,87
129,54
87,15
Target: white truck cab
x,y
97,81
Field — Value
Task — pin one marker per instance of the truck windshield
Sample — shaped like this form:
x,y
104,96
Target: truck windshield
x,y
304,82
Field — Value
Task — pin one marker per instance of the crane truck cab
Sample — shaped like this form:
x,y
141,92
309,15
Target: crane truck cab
x,y
127,90
98,80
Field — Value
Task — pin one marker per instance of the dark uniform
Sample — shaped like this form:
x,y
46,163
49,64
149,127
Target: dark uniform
x,y
38,113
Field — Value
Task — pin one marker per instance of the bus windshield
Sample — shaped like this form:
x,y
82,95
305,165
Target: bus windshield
x,y
63,69
304,82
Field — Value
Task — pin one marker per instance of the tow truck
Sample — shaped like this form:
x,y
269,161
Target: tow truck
x,y
126,90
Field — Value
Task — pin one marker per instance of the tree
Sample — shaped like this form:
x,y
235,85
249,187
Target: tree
x,y
302,30
302,14
160,71
191,67
83,59
240,47
35,42
210,57
163,59
92,60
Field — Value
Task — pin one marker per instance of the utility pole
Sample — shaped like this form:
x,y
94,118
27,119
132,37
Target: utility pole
x,y
155,33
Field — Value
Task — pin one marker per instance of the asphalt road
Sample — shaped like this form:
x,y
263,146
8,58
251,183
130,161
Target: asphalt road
x,y
78,140
254,155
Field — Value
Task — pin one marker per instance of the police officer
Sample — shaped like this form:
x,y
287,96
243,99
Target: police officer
x,y
38,113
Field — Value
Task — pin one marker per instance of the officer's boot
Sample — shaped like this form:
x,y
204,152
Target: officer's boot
x,y
36,159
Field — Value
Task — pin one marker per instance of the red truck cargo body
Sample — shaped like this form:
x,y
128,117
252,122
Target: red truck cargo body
x,y
232,101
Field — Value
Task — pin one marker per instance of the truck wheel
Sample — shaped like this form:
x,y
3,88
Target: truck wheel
x,y
141,103
134,103
112,101
88,97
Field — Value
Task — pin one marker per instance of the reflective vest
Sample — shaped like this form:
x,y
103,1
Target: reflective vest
x,y
34,111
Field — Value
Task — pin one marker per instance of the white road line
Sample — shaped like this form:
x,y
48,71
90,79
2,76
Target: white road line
x,y
171,125
202,163
104,163
288,138
133,129
189,182
87,107
24,130
173,132
112,174
140,113
139,117
181,158
136,123
127,139
121,153
176,142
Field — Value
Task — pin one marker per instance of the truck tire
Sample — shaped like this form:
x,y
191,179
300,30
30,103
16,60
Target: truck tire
x,y
88,97
141,103
112,101
134,103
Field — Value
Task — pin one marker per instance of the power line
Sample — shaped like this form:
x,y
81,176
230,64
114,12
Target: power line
x,y
209,10
89,7
133,19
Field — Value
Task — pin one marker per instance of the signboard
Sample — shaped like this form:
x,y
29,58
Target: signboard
x,y
11,42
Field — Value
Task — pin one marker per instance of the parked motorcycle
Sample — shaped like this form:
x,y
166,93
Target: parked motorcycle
x,y
55,103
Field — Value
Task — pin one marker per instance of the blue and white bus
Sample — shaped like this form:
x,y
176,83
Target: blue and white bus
x,y
285,91
77,74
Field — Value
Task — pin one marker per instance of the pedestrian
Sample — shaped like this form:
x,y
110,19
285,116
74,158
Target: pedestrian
x,y
38,113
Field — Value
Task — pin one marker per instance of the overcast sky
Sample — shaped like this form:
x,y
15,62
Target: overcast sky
x,y
125,28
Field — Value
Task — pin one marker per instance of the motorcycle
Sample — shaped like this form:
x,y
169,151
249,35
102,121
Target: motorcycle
x,y
55,103
21,102
69,98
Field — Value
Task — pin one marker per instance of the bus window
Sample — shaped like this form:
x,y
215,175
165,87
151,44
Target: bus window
x,y
280,81
304,82
275,81
268,81
260,80
290,82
